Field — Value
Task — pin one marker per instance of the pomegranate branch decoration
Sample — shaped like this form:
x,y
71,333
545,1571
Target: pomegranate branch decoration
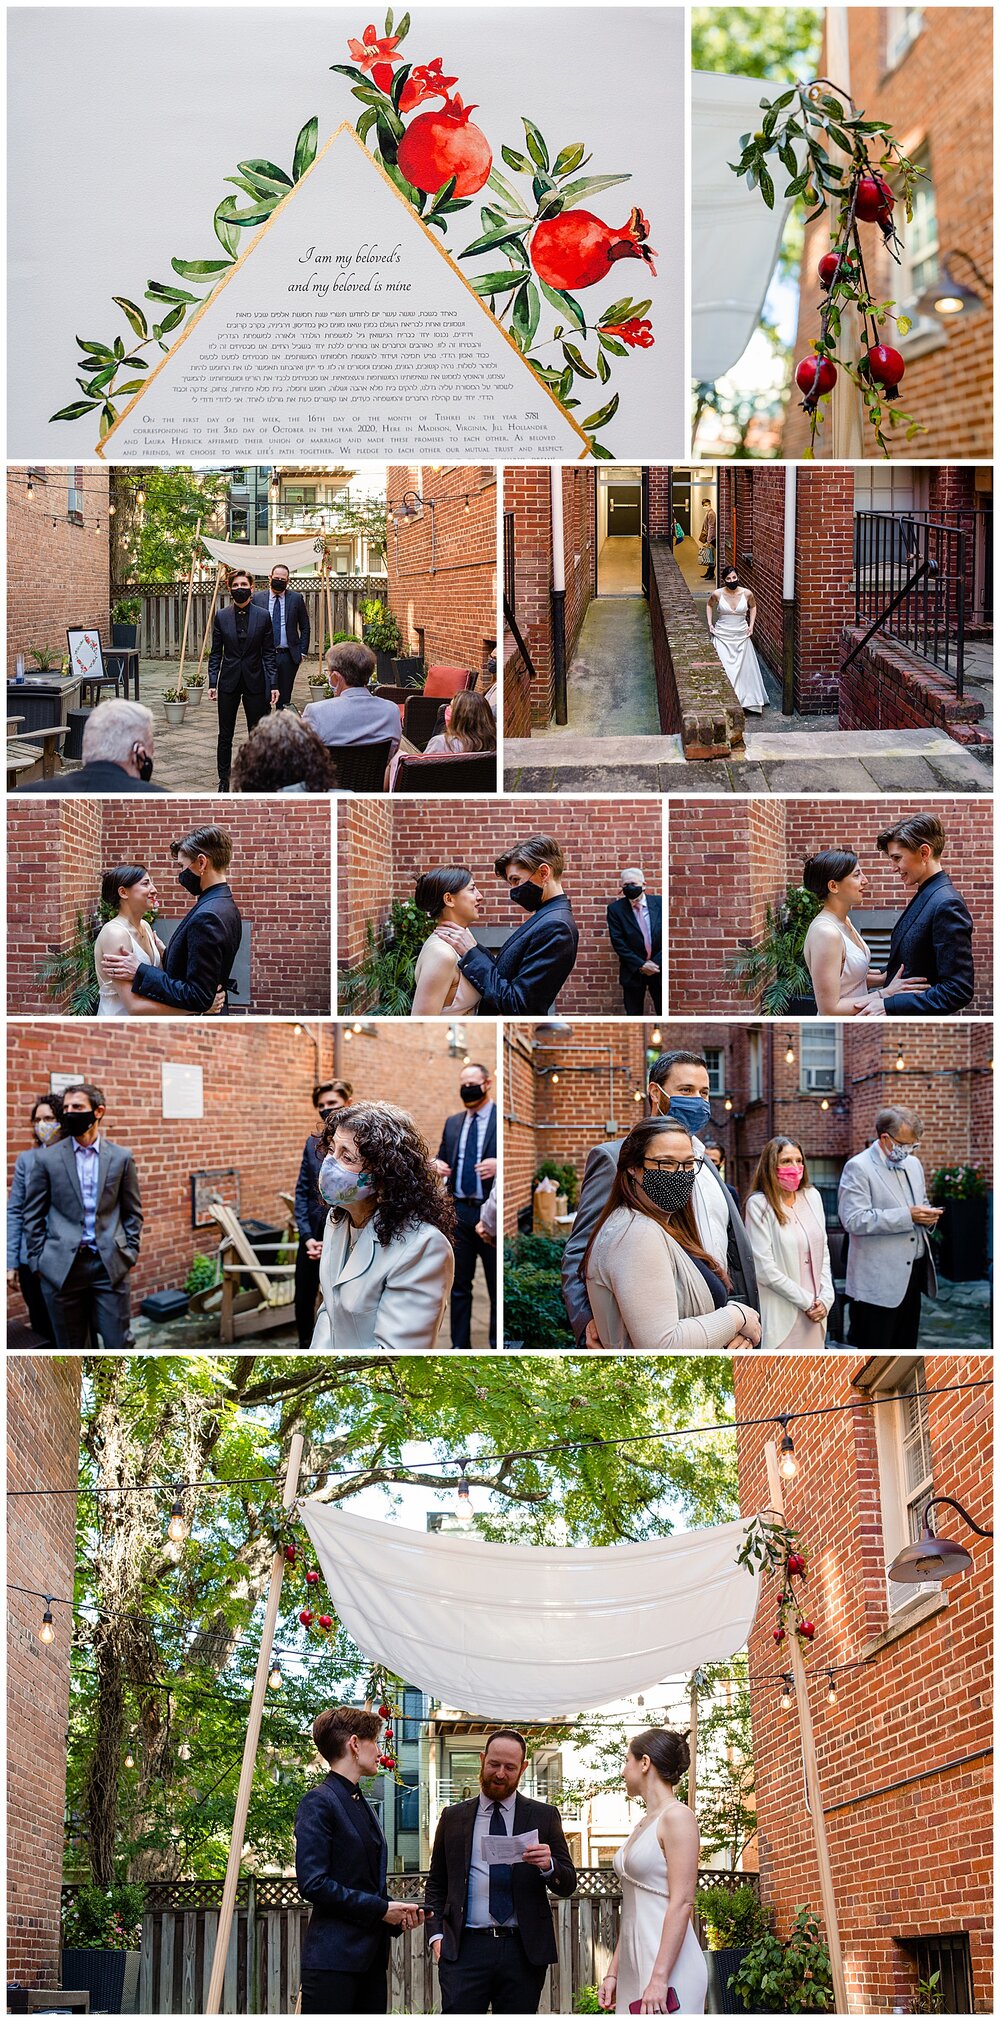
x,y
799,128
772,1547
541,244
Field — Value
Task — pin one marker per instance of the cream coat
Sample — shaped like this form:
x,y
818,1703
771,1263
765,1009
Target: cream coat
x,y
645,1292
775,1255
376,1295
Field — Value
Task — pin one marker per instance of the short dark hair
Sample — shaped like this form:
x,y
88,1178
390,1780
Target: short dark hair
x,y
333,1728
94,1095
434,885
124,875
662,1067
237,572
354,663
531,854
280,564
828,866
507,1733
53,1102
668,1752
477,1067
341,1088
914,832
215,843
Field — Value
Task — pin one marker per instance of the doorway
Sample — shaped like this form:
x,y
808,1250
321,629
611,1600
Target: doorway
x,y
619,532
693,490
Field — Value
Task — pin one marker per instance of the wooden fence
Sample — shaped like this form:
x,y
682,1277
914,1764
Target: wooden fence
x,y
164,604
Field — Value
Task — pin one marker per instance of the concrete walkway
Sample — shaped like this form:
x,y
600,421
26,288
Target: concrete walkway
x,y
611,683
777,761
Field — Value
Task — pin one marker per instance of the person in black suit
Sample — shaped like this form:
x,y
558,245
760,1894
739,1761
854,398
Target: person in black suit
x,y
200,954
340,1865
467,1159
241,666
525,978
290,625
933,937
635,924
310,1210
491,1927
117,754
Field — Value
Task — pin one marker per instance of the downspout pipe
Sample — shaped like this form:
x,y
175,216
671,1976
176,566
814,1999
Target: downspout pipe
x,y
788,596
558,596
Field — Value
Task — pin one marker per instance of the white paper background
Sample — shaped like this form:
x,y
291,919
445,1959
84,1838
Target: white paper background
x,y
124,124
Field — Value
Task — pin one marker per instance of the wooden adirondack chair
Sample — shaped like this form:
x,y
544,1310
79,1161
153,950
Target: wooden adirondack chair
x,y
271,1300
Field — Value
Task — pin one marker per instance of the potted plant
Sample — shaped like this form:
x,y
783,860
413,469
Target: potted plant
x,y
383,979
101,1927
565,1178
68,975
175,703
44,659
381,632
790,1977
195,685
961,1232
774,971
125,614
732,1917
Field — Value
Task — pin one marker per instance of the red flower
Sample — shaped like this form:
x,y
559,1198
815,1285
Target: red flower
x,y
637,332
425,81
376,53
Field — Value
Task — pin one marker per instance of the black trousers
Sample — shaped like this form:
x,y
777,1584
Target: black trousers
x,y
256,704
287,671
306,1289
491,1974
345,1992
33,1293
88,1303
890,1329
468,1246
634,994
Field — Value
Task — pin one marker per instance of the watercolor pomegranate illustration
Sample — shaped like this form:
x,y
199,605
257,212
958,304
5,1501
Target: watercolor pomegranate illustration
x,y
576,248
444,143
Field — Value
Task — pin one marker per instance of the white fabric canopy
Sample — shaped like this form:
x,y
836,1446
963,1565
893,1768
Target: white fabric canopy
x,y
509,1631
296,554
734,237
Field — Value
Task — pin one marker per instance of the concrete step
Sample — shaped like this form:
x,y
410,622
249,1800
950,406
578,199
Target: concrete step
x,y
787,761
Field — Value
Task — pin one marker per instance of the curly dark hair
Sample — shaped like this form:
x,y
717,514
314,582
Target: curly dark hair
x,y
407,1190
282,751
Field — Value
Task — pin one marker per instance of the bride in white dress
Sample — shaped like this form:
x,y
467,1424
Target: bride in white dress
x,y
450,898
130,888
657,1954
732,614
844,982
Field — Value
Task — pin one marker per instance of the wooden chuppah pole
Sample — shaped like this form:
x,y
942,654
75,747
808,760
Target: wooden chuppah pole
x,y
693,1765
811,1767
213,2004
329,601
206,635
187,607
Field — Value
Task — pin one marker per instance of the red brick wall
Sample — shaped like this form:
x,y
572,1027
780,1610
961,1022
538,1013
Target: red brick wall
x,y
824,567
527,493
729,858
660,526
280,877
917,1859
43,1417
453,605
579,551
939,96
57,576
258,1081
600,1068
364,871
599,839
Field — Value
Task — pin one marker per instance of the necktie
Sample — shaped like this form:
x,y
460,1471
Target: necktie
x,y
501,1891
642,917
469,1179
276,616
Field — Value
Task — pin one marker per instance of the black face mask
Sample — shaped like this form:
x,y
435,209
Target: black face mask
x,y
471,1091
190,882
730,586
325,1114
633,890
240,596
668,1190
76,1122
278,588
527,895
143,763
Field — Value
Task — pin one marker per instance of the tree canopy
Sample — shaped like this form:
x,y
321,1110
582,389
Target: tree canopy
x,y
777,43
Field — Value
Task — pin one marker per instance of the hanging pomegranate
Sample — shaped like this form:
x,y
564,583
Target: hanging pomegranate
x,y
829,265
312,1578
795,1565
806,1629
325,1621
306,1617
290,1553
815,376
873,196
886,367
576,249
778,1636
444,143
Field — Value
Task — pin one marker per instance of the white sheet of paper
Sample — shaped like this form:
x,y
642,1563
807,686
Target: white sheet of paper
x,y
506,1852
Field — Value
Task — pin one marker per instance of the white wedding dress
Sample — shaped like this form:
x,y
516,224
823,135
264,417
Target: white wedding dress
x,y
642,1871
733,643
854,991
110,1002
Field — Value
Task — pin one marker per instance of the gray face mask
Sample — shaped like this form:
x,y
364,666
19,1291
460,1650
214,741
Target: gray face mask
x,y
897,1154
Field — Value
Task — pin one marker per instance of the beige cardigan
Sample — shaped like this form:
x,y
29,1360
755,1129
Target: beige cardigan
x,y
645,1292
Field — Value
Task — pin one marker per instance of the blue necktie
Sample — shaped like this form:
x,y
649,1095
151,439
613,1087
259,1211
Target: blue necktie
x,y
501,1891
276,621
469,1179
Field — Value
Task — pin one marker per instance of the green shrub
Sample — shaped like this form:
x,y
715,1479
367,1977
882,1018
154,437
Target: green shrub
x,y
958,1182
787,1978
565,1177
733,1917
105,1919
202,1274
586,2001
383,978
534,1312
379,629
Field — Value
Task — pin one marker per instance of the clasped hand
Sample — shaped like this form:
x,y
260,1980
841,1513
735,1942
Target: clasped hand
x,y
404,1915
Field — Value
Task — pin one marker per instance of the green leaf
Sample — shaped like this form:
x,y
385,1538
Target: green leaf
x,y
603,414
565,385
442,197
403,29
388,22
94,349
589,185
109,416
524,319
514,160
229,211
832,106
365,124
603,368
766,188
500,283
612,344
198,270
266,171
552,207
171,322
778,104
597,449
399,80
565,305
227,235
101,379
578,361
158,291
349,70
506,235
501,188
305,149
74,412
616,311
536,146
134,314
569,158
131,386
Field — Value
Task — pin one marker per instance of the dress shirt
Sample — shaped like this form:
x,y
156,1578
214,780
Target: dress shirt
x,y
641,910
479,1119
478,1912
711,1208
277,608
242,620
87,1159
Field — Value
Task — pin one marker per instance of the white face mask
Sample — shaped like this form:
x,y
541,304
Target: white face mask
x,y
339,1186
46,1131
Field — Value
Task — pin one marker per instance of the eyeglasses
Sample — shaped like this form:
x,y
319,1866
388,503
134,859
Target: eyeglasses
x,y
673,1165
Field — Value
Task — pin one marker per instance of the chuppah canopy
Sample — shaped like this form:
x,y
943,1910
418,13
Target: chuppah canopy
x,y
533,1632
735,239
295,554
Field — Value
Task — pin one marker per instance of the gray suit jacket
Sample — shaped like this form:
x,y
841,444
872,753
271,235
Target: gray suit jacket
x,y
598,1179
53,1211
355,717
873,1205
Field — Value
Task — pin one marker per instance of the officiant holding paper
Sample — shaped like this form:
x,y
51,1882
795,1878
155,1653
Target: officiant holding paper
x,y
489,1922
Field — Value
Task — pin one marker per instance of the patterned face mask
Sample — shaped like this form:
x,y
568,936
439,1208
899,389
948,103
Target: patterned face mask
x,y
339,1186
668,1190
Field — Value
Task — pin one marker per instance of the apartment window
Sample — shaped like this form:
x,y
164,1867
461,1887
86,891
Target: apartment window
x,y
408,1803
905,1462
239,523
238,477
548,1778
825,1176
74,496
262,516
299,494
921,254
821,1057
755,1068
412,1708
902,26
892,489
948,1956
715,1059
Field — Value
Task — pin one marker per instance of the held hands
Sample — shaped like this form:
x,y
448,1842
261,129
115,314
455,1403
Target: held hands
x,y
403,1915
606,1992
314,1249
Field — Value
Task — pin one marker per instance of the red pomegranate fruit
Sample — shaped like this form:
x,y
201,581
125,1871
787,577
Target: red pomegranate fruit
x,y
576,249
885,366
828,266
444,143
306,1617
312,1578
290,1553
873,196
778,1636
807,1629
325,1621
796,1565
815,376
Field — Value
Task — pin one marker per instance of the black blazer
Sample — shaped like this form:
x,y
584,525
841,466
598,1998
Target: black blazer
x,y
310,1210
627,940
525,978
296,620
236,663
199,956
448,1879
451,1137
100,776
340,1866
933,938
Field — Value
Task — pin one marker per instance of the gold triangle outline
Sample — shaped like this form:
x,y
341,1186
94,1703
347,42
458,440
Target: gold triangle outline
x,y
439,247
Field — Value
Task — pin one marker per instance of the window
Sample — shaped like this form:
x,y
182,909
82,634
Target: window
x,y
755,1070
891,489
902,26
262,516
548,1778
906,1478
947,1955
920,235
408,1803
239,523
821,1056
715,1060
413,1703
74,496
825,1175
298,494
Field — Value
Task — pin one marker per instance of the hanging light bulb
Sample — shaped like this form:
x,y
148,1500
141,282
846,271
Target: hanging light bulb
x,y
788,1465
130,1759
46,1632
900,1060
177,1528
274,1679
465,1510
184,1751
112,508
553,1077
656,1037
728,1104
831,1688
790,1055
638,1095
140,497
824,1103
31,485
785,1700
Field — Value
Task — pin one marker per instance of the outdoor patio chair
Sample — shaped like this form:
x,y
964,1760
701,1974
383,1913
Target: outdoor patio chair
x,y
361,767
270,1301
420,717
466,772
447,681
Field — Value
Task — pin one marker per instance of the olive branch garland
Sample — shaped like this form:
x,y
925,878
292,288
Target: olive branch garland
x,y
813,117
100,364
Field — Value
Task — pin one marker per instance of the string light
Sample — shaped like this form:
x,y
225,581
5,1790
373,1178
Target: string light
x,y
831,1688
130,1759
140,497
728,1105
46,1632
790,1055
824,1103
657,1036
177,1528
554,1078
900,1061
31,485
788,1465
465,1509
785,1701
184,1751
274,1678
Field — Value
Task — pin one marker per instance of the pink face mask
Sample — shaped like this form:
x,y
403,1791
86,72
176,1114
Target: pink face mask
x,y
789,1177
